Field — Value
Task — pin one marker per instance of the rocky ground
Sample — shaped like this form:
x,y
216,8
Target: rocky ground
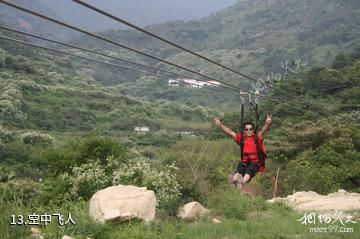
x,y
312,201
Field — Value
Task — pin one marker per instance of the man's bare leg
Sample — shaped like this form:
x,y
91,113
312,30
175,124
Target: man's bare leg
x,y
245,188
238,179
246,178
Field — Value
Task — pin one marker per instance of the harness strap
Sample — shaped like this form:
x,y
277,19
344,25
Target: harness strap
x,y
257,116
241,124
253,153
261,155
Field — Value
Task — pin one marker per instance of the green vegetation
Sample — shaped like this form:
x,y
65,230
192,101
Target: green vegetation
x,y
254,37
68,100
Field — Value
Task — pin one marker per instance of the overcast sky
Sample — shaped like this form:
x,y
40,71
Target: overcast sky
x,y
142,12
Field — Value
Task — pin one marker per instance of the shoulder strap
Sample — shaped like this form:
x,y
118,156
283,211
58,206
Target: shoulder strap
x,y
261,156
256,142
242,142
241,126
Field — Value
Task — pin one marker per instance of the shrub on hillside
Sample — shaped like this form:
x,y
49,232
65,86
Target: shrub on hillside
x,y
327,169
10,103
74,153
95,148
36,138
2,145
86,179
18,63
54,77
2,61
162,181
5,135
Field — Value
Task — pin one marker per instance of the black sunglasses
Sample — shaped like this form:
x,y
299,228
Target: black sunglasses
x,y
247,129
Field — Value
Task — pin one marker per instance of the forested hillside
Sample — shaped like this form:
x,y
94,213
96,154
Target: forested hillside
x,y
54,92
254,37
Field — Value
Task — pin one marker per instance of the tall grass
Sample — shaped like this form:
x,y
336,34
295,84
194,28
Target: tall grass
x,y
12,203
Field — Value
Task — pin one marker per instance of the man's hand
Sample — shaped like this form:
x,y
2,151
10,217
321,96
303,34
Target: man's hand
x,y
217,122
224,128
265,127
268,119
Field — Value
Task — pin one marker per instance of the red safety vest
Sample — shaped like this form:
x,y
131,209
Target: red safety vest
x,y
252,149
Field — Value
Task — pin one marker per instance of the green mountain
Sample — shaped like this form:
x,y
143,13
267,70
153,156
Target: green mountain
x,y
257,37
264,39
53,92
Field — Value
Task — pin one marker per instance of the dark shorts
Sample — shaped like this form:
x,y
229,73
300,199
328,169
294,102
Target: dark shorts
x,y
250,168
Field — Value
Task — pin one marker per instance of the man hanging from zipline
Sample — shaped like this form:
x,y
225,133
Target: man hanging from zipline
x,y
252,151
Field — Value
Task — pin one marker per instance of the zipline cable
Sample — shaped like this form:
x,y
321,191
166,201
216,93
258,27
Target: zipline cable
x,y
102,54
161,38
104,62
128,48
118,19
95,60
113,42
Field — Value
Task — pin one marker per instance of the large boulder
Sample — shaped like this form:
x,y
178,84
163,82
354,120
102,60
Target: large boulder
x,y
308,201
36,233
123,203
192,211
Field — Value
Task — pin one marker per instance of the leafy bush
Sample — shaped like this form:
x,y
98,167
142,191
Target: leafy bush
x,y
95,148
55,77
340,61
2,145
324,170
16,153
91,149
57,160
5,174
18,63
11,105
86,179
2,62
6,135
162,181
323,81
36,138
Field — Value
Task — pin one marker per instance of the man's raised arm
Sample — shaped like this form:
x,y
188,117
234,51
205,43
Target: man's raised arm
x,y
265,127
224,128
